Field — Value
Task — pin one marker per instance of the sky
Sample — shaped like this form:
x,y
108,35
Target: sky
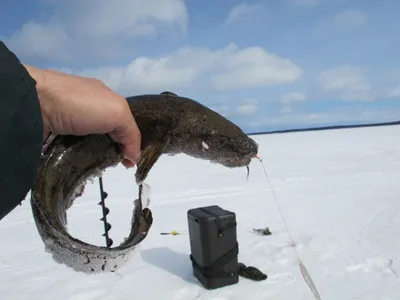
x,y
265,65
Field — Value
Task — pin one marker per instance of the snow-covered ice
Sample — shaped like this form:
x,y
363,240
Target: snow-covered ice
x,y
339,192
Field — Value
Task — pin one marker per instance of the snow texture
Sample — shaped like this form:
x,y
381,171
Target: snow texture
x,y
339,192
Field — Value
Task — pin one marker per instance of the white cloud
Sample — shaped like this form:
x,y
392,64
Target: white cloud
x,y
99,28
126,17
289,102
242,10
394,93
247,109
253,67
225,69
349,18
34,39
348,81
293,98
344,21
286,109
339,116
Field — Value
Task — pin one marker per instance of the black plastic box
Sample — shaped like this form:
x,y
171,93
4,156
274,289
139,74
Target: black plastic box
x,y
214,246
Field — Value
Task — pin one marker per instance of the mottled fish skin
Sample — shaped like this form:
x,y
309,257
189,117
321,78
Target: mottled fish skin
x,y
169,124
66,165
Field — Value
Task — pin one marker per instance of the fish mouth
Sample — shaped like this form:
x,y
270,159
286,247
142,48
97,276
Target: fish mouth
x,y
241,158
237,162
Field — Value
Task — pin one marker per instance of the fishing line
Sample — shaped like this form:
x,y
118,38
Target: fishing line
x,y
303,269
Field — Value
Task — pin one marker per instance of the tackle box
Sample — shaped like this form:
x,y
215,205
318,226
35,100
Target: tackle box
x,y
214,246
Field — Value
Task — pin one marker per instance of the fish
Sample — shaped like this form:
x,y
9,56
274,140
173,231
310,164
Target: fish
x,y
169,124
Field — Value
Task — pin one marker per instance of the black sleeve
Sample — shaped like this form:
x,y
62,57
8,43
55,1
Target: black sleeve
x,y
21,131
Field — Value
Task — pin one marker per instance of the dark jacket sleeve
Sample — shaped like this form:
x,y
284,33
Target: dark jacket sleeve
x,y
21,131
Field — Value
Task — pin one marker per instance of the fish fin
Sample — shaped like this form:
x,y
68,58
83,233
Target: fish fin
x,y
142,220
168,93
147,159
140,228
48,141
146,221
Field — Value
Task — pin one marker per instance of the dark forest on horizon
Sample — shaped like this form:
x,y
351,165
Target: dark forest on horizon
x,y
326,128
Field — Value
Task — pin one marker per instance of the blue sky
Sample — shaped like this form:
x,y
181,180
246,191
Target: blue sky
x,y
266,65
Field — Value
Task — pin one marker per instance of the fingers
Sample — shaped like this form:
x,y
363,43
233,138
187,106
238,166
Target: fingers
x,y
79,105
128,163
128,136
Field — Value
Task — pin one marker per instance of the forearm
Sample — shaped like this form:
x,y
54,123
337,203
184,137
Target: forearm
x,y
21,128
41,80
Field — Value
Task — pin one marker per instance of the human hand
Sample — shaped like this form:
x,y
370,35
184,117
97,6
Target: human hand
x,y
78,106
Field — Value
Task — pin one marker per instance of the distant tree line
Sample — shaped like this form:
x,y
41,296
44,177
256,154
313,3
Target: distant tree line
x,y
326,128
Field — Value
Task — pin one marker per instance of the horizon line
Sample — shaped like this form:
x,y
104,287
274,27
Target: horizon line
x,y
329,127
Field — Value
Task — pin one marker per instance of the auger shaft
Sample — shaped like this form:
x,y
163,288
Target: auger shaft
x,y
107,226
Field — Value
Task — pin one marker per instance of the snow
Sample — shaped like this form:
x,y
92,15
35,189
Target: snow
x,y
338,190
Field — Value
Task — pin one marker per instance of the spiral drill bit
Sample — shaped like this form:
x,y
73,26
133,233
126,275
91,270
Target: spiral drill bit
x,y
107,226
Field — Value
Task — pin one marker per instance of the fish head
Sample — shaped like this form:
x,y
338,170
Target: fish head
x,y
212,137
